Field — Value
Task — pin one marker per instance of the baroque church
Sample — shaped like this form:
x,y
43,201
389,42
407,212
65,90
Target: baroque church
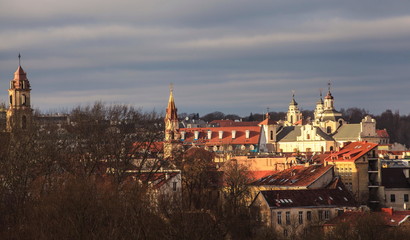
x,y
328,131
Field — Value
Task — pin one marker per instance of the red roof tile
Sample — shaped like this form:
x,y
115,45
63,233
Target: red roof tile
x,y
240,136
351,152
382,133
296,176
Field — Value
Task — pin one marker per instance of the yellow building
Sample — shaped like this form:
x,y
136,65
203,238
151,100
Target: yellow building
x,y
357,165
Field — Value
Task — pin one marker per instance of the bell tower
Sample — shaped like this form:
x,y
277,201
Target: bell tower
x,y
19,114
293,115
172,135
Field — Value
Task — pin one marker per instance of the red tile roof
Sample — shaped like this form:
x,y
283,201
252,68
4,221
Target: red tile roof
x,y
382,133
260,174
240,138
267,121
296,176
230,123
352,152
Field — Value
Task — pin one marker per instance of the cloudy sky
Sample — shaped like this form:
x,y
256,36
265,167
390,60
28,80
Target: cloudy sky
x,y
234,56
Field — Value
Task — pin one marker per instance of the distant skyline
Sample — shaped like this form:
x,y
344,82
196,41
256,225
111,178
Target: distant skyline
x,y
233,56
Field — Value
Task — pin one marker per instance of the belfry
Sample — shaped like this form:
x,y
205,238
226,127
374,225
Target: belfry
x,y
19,114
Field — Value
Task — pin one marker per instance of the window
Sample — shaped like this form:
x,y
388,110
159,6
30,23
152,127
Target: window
x,y
406,198
279,218
327,215
285,232
309,215
23,100
11,99
287,218
174,186
24,122
329,129
392,198
271,135
300,217
308,136
320,213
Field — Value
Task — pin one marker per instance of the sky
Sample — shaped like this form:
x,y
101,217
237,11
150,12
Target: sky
x,y
233,56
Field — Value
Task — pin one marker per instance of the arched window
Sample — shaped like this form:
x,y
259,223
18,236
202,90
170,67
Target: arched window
x,y
291,118
24,122
23,100
11,99
331,148
308,136
271,135
329,129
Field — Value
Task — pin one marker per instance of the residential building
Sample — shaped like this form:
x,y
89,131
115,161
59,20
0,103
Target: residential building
x,y
358,166
293,212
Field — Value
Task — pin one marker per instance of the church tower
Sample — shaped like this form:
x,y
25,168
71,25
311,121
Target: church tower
x,y
319,109
293,114
172,135
19,114
329,100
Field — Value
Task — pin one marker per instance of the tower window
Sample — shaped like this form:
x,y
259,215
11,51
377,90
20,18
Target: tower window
x,y
11,99
23,100
24,122
271,135
329,129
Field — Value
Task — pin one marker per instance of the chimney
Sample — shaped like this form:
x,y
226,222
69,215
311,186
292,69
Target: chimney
x,y
221,133
209,134
182,135
196,133
233,134
247,133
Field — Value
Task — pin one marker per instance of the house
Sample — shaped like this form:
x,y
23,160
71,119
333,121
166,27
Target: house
x,y
396,187
358,166
297,177
293,212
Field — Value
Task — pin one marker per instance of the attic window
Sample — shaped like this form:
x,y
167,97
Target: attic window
x,y
320,198
340,188
330,198
290,200
345,199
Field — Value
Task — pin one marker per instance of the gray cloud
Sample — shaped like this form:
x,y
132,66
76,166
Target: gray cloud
x,y
235,56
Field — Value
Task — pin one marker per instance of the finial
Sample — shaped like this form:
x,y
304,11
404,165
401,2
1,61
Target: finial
x,y
293,93
267,113
171,87
19,60
328,85
320,90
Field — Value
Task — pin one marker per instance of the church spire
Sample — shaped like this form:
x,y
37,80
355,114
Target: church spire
x,y
172,135
171,109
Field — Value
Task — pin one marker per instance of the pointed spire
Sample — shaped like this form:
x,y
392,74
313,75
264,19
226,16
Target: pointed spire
x,y
171,109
